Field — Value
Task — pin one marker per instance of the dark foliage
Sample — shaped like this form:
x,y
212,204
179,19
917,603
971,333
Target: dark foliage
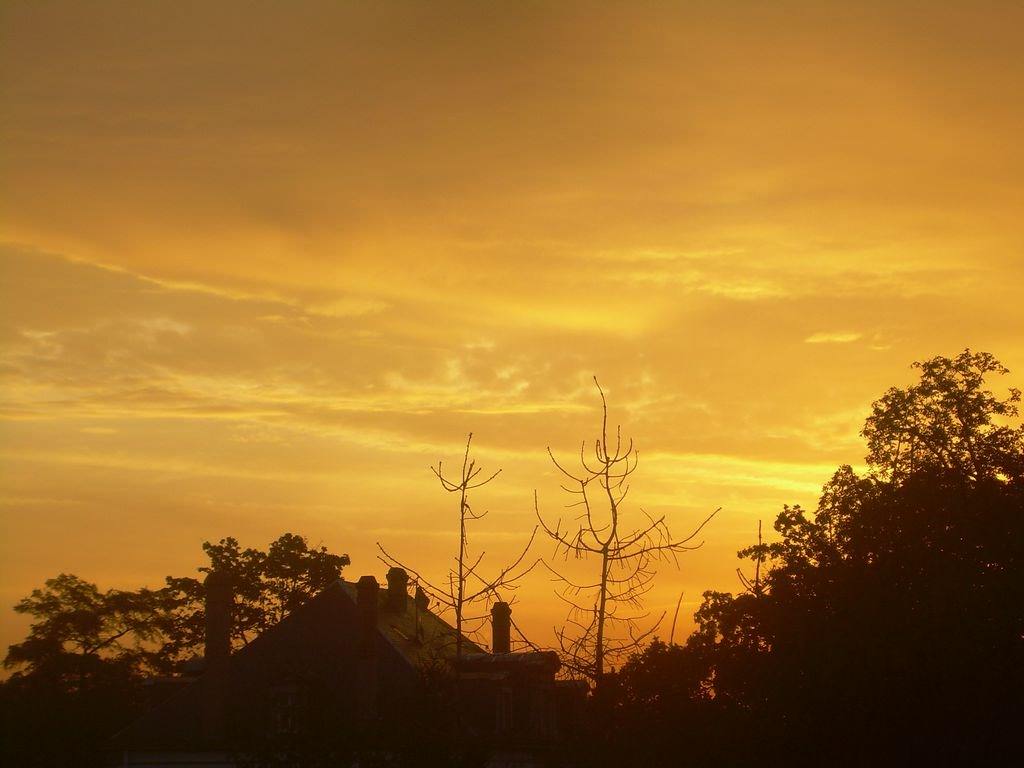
x,y
889,627
884,628
267,585
80,673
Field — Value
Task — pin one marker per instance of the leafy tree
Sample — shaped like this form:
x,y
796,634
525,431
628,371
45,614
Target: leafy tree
x,y
947,422
889,621
268,585
665,714
75,673
76,676
80,632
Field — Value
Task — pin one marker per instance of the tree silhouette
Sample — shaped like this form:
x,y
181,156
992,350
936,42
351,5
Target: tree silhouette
x,y
889,620
466,585
947,422
267,586
77,676
606,614
80,633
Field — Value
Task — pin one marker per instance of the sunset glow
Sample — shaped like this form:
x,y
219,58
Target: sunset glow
x,y
262,269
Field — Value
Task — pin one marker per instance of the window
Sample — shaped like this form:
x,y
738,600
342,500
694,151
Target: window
x,y
287,703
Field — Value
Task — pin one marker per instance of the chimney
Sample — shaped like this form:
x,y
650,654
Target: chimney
x,y
219,602
422,601
501,628
367,590
398,586
366,683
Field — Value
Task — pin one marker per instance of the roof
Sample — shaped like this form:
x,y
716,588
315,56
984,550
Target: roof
x,y
418,634
319,640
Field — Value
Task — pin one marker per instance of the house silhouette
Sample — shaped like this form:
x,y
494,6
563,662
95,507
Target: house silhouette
x,y
356,665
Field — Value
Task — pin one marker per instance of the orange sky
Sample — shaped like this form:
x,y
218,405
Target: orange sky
x,y
264,263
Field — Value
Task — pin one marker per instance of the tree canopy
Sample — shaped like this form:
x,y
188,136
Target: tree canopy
x,y
947,423
80,632
77,672
886,625
268,585
890,621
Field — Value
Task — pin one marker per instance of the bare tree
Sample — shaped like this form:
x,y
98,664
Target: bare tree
x,y
466,585
606,620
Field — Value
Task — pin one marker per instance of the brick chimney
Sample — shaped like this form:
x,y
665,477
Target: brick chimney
x,y
501,628
367,590
219,603
220,600
366,684
398,589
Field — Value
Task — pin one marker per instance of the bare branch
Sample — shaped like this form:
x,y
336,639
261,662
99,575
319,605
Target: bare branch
x,y
605,614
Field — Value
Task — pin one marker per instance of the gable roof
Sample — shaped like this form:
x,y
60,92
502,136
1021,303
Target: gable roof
x,y
321,638
417,633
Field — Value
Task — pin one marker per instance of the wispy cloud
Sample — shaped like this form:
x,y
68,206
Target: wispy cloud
x,y
833,337
262,292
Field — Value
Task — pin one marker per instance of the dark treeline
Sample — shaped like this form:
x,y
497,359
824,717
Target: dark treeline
x,y
884,627
82,672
